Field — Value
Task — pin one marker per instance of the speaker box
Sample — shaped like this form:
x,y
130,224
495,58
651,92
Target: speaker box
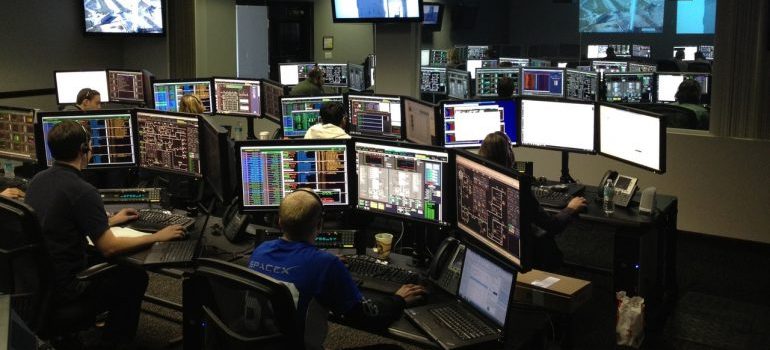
x,y
647,202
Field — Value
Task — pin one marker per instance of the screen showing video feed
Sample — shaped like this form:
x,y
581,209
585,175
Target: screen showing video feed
x,y
124,16
612,16
696,16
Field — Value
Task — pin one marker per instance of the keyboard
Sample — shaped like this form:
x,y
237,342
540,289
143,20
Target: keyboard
x,y
460,323
169,252
549,198
377,276
152,220
13,182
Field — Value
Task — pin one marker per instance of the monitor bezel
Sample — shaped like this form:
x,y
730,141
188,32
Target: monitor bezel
x,y
530,68
417,19
350,169
558,148
518,80
651,74
467,74
135,112
56,84
439,22
402,135
280,121
595,75
191,80
276,119
163,6
441,131
435,119
34,157
128,101
223,141
662,123
216,111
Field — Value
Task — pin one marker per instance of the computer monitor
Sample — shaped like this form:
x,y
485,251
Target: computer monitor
x,y
403,180
581,85
641,51
634,67
69,83
472,65
238,97
596,51
562,64
218,155
17,134
375,116
489,206
478,52
112,136
432,16
270,170
438,58
668,84
459,84
689,52
293,73
433,80
300,113
126,86
169,142
168,93
558,125
487,286
356,77
335,74
420,121
707,50
539,63
488,78
271,95
467,123
516,62
629,87
645,147
609,66
424,57
377,12
542,82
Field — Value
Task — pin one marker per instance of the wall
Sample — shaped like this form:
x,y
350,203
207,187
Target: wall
x,y
215,46
352,41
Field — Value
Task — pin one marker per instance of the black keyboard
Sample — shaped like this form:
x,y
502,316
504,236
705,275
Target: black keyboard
x,y
169,252
152,220
460,324
366,267
549,198
13,182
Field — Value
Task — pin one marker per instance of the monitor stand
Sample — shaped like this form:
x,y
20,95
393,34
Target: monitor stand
x,y
565,178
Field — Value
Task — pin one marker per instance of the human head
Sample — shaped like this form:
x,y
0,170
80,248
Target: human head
x,y
610,52
699,55
333,113
69,141
316,76
505,64
688,92
505,87
497,148
191,104
301,215
679,54
89,99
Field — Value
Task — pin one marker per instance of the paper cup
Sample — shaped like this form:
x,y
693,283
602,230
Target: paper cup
x,y
383,244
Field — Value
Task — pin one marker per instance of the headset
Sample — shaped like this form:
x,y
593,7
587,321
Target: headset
x,y
86,145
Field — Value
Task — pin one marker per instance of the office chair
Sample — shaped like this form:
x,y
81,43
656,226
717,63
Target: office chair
x,y
228,306
668,66
675,116
700,67
25,274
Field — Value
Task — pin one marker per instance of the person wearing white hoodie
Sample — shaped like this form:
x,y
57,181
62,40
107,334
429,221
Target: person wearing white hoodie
x,y
332,123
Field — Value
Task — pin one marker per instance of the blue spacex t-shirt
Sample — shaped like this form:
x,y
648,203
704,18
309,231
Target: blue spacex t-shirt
x,y
314,273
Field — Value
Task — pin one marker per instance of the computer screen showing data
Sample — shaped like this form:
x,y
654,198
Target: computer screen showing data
x,y
420,120
438,58
634,67
580,85
126,86
459,84
403,180
271,94
542,82
489,207
516,62
559,125
335,74
300,113
644,147
68,84
630,87
168,94
17,133
168,142
270,171
375,116
478,52
467,123
473,65
689,52
488,78
534,62
707,50
238,96
112,136
293,73
668,84
433,80
486,286
596,51
609,66
356,77
641,51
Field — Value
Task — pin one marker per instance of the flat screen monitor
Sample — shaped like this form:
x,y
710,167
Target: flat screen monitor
x,y
348,11
433,80
126,86
69,83
580,85
629,87
271,95
271,170
467,123
689,52
539,63
542,82
300,113
634,67
169,142
707,50
402,179
558,125
645,147
596,51
488,78
609,66
459,84
516,62
335,74
112,136
478,52
17,134
375,116
473,65
356,77
432,16
420,121
438,58
218,155
168,94
641,51
238,97
124,17
487,286
621,16
293,73
489,206
562,64
696,16
668,84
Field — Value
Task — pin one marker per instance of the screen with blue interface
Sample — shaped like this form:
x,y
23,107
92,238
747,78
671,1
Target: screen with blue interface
x,y
300,113
169,143
375,116
542,82
169,94
486,286
696,16
580,85
488,78
270,172
627,87
627,16
112,136
467,123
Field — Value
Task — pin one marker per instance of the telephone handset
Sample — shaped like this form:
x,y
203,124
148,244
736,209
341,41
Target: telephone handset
x,y
447,264
625,187
234,222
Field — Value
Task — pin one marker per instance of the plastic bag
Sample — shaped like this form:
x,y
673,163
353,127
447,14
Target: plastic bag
x,y
629,325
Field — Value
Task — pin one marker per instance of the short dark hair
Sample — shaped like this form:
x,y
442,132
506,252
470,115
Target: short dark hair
x,y
299,214
699,54
315,73
497,148
679,54
332,113
689,91
65,140
86,94
505,87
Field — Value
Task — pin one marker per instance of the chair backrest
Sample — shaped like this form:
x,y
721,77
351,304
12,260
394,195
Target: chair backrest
x,y
675,116
700,67
25,265
228,306
668,66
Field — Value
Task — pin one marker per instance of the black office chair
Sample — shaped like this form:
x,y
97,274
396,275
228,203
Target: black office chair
x,y
228,306
668,66
700,67
675,116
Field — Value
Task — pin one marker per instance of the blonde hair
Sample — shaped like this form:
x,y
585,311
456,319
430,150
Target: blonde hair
x,y
191,104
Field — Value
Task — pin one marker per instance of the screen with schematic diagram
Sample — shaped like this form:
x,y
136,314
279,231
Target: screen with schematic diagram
x,y
433,80
459,84
237,96
335,74
169,143
630,87
300,113
375,116
580,85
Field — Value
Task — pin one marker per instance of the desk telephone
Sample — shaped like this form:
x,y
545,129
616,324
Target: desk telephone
x,y
447,265
625,186
234,222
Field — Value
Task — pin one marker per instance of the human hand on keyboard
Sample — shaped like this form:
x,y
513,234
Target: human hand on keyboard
x,y
12,193
170,232
577,204
411,293
123,216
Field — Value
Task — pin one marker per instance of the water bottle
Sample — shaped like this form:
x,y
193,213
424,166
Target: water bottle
x,y
608,197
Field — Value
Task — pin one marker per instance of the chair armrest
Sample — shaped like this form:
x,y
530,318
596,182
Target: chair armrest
x,y
94,271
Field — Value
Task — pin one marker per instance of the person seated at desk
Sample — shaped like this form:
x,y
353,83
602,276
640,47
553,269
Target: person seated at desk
x,y
311,86
70,210
332,123
688,96
191,104
13,193
609,54
87,100
505,88
496,147
319,276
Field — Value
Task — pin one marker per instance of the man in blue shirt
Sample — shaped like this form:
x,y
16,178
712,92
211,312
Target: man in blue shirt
x,y
318,275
